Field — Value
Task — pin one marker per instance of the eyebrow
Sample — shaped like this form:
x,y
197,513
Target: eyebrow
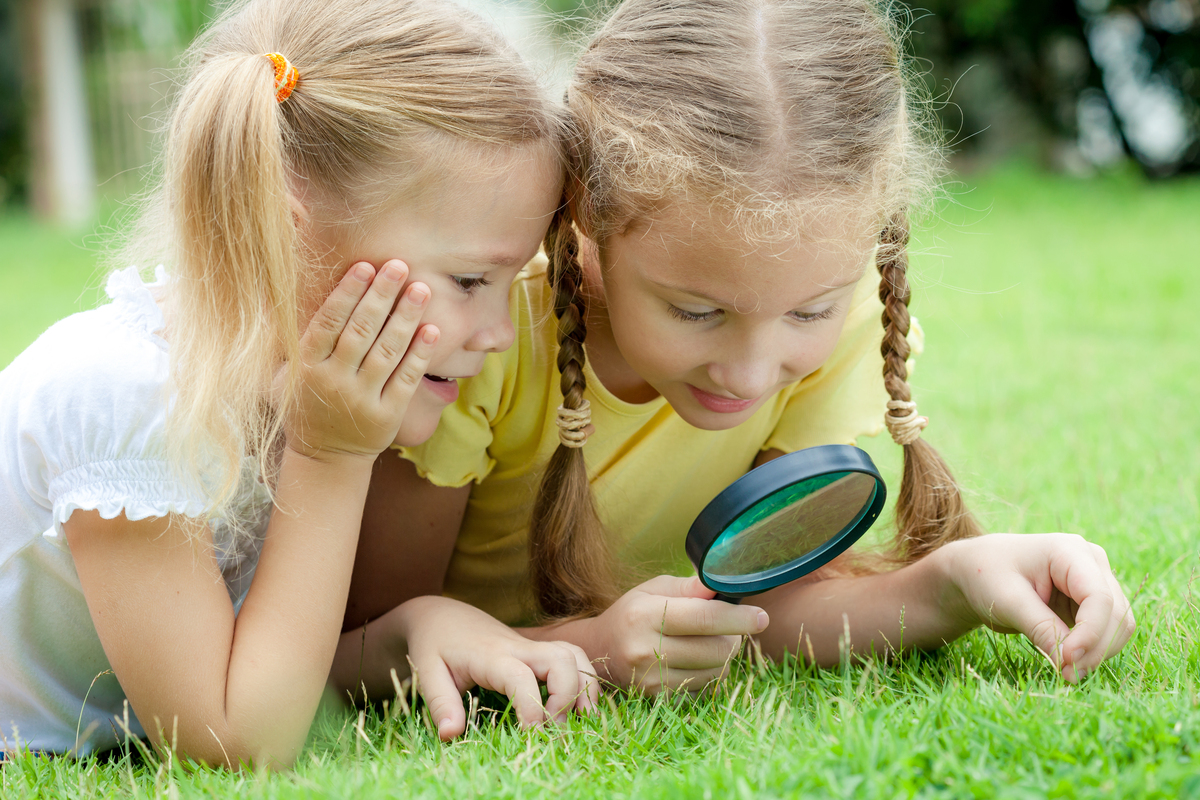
x,y
494,260
723,303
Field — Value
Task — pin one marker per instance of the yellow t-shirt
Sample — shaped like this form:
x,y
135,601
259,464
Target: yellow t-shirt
x,y
651,472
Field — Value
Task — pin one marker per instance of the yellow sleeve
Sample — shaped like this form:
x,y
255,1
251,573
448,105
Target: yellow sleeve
x,y
845,398
457,453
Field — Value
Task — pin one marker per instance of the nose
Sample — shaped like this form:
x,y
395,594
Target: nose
x,y
494,332
747,371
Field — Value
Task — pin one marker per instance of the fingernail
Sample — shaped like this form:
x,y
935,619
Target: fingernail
x,y
429,334
1077,655
763,620
362,273
418,294
392,273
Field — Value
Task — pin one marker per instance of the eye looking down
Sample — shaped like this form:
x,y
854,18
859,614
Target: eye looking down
x,y
685,307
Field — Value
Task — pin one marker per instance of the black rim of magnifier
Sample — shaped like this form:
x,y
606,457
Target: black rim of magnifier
x,y
762,482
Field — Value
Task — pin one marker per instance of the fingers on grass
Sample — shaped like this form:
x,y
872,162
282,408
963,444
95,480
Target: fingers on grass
x,y
515,679
1025,611
397,334
559,667
1082,659
590,695
658,678
1080,575
321,336
371,314
444,700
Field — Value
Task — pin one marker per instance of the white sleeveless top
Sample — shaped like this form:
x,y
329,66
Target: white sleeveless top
x,y
82,413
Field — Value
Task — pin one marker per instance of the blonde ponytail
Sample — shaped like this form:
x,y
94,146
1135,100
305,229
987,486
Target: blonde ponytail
x,y
236,266
389,91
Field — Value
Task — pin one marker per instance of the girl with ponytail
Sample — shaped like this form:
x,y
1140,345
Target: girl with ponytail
x,y
735,226
348,189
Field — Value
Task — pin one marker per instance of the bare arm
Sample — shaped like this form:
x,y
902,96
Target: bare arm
x,y
409,527
234,690
219,688
396,618
1057,589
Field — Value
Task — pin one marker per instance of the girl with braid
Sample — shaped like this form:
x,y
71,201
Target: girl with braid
x,y
349,189
735,225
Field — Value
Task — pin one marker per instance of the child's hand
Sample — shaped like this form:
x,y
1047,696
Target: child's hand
x,y
361,366
454,646
1056,588
669,633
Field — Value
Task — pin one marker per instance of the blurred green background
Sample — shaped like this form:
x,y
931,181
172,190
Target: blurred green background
x,y
1074,86
1084,90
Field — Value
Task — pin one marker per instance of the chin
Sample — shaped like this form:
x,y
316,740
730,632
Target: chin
x,y
416,429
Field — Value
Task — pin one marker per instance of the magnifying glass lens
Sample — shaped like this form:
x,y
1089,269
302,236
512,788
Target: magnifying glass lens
x,y
788,525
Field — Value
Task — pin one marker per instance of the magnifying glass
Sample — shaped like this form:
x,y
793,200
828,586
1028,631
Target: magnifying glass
x,y
785,519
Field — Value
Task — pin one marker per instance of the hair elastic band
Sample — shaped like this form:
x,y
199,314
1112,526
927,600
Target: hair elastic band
x,y
286,76
574,425
905,429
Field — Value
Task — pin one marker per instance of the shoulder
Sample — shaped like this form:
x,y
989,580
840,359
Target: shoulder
x,y
92,386
101,360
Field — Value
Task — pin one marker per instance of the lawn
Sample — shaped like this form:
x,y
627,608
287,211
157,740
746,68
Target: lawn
x,y
1061,375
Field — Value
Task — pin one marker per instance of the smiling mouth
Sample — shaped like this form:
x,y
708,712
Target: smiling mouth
x,y
438,378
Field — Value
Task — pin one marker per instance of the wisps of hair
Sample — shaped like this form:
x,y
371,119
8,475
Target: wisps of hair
x,y
387,87
774,111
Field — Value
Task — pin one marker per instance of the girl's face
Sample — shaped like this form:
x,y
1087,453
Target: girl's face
x,y
465,234
693,312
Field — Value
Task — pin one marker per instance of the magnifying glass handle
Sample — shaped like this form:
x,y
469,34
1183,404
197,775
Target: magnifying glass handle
x,y
724,598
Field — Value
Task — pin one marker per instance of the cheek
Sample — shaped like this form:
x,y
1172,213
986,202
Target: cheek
x,y
814,352
420,420
451,321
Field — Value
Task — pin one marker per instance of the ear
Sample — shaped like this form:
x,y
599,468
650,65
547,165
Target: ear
x,y
300,212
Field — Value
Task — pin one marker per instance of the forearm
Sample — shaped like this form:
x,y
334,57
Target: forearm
x,y
366,656
913,607
287,631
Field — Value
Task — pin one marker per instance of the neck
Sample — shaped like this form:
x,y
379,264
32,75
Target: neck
x,y
603,353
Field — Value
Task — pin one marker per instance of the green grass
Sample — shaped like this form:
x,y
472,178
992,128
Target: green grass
x,y
1061,375
45,274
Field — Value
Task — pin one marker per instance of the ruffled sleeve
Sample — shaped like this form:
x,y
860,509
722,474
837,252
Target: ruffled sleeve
x,y
93,415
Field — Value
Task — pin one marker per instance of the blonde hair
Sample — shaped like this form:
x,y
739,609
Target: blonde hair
x,y
387,88
768,109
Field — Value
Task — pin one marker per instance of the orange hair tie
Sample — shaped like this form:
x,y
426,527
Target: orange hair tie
x,y
286,76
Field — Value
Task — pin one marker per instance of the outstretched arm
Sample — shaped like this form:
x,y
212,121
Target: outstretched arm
x,y
1057,589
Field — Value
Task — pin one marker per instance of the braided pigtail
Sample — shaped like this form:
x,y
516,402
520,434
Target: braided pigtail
x,y
929,509
570,566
